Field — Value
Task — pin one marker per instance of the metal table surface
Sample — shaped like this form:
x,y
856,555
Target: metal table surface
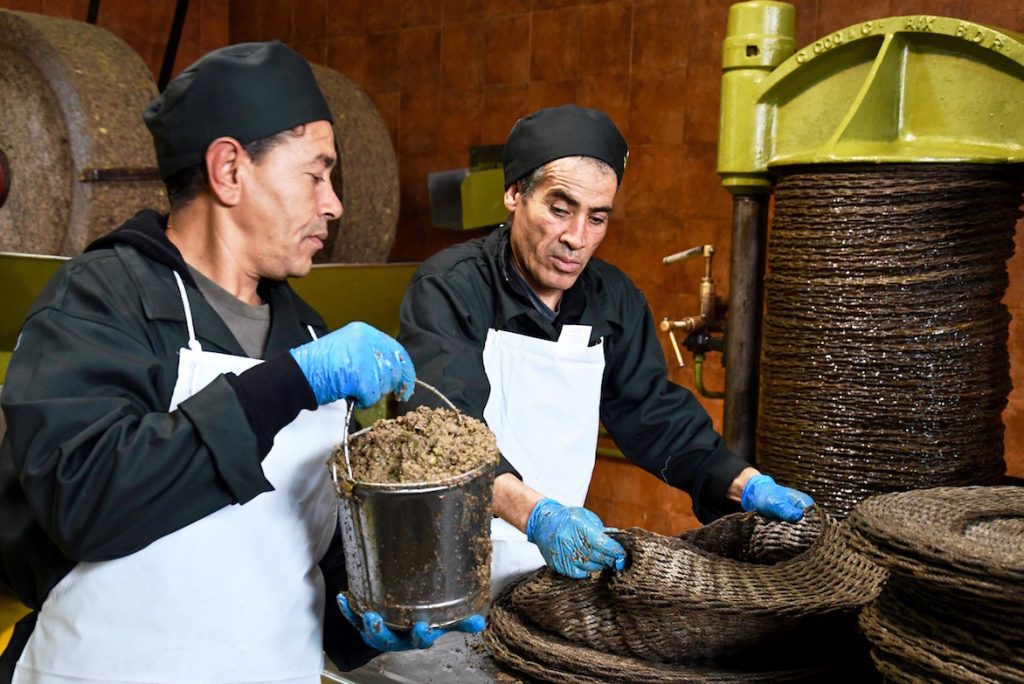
x,y
454,657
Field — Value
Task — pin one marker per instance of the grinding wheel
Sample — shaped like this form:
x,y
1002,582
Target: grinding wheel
x,y
366,177
79,160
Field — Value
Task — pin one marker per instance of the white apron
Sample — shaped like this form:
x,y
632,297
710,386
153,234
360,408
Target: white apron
x,y
544,411
234,597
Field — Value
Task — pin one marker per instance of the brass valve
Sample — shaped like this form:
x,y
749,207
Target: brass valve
x,y
706,317
699,328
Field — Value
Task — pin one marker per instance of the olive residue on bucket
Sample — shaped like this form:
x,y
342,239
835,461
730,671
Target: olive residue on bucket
x,y
415,517
425,445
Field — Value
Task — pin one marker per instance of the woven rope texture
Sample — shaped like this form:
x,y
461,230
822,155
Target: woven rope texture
x,y
744,599
953,608
884,284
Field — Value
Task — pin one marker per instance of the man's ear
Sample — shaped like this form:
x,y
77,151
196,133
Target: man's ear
x,y
512,196
224,157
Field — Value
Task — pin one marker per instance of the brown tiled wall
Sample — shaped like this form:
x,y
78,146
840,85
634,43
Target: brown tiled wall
x,y
450,74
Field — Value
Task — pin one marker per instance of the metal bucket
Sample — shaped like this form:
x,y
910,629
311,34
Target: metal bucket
x,y
419,551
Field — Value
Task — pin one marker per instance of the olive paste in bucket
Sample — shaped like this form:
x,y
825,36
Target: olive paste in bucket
x,y
415,516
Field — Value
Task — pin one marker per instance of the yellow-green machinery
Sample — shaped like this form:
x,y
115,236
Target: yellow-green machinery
x,y
340,292
894,152
915,89
472,197
22,277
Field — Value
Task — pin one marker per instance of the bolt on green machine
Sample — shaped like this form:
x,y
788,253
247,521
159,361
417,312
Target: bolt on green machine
x,y
892,92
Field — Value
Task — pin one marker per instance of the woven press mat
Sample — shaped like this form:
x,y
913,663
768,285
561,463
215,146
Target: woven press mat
x,y
886,281
953,608
744,599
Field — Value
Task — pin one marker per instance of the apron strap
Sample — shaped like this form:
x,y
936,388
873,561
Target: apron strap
x,y
193,343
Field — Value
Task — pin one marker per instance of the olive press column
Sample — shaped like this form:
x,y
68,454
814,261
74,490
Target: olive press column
x,y
885,362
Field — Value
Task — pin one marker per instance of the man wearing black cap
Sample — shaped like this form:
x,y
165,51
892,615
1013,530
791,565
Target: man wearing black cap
x,y
524,330
164,505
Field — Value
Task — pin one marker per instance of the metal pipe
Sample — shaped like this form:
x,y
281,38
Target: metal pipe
x,y
698,379
5,178
119,175
688,324
685,254
92,15
173,39
743,326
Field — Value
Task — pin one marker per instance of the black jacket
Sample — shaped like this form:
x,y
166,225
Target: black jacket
x,y
460,293
93,466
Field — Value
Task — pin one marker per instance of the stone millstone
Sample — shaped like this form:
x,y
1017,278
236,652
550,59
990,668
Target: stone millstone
x,y
366,179
73,99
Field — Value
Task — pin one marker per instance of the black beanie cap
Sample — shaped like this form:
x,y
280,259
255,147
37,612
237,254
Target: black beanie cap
x,y
557,132
246,91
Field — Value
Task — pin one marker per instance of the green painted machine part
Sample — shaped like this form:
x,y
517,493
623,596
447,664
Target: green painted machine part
x,y
483,194
760,36
909,89
22,278
698,379
916,88
470,198
340,292
343,293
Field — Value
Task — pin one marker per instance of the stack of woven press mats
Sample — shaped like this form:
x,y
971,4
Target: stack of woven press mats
x,y
744,599
953,608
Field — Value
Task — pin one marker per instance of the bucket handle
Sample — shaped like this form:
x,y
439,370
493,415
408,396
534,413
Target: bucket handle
x,y
348,420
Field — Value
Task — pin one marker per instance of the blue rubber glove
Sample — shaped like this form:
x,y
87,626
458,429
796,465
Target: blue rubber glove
x,y
763,495
573,540
377,635
356,361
